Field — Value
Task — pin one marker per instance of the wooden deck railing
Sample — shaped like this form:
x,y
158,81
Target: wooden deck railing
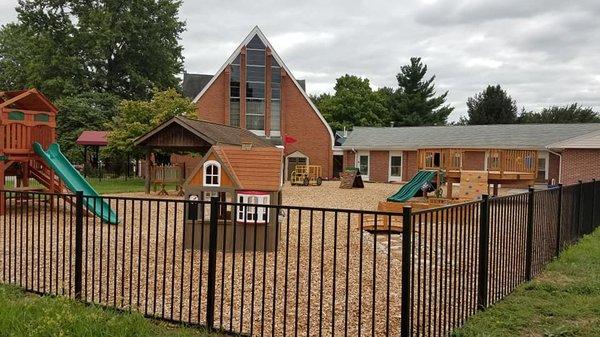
x,y
499,160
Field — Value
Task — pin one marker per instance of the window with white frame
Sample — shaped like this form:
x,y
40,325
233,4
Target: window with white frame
x,y
253,213
395,166
212,173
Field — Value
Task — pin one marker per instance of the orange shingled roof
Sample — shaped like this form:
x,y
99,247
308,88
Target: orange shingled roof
x,y
256,169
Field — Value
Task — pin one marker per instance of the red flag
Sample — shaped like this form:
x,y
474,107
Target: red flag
x,y
287,139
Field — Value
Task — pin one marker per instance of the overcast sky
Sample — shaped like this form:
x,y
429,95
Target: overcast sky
x,y
542,52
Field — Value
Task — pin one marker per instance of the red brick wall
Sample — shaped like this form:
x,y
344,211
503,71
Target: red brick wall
x,y
409,165
349,159
553,167
580,164
298,118
300,121
214,104
474,160
379,166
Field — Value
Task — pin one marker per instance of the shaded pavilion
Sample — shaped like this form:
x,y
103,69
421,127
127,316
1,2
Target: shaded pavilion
x,y
185,135
93,140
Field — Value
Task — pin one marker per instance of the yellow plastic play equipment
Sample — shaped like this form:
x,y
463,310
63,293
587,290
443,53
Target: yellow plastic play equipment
x,y
305,175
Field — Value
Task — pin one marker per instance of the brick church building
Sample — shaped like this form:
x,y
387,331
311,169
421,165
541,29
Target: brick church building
x,y
255,90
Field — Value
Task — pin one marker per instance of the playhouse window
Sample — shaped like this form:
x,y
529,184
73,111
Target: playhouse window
x,y
253,213
16,116
41,118
212,173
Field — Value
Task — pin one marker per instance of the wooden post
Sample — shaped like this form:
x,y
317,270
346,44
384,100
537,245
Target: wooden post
x,y
85,159
448,188
25,181
147,185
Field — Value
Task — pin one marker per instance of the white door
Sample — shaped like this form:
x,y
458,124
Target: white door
x,y
395,166
363,164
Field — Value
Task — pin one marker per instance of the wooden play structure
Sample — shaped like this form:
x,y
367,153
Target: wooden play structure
x,y
245,176
161,175
26,116
351,178
306,175
28,150
236,166
503,166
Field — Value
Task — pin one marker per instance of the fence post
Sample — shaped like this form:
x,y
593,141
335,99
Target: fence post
x,y
559,219
580,210
593,204
484,238
78,242
406,272
212,262
529,247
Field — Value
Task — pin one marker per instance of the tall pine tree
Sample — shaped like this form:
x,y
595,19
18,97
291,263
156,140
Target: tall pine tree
x,y
491,106
415,101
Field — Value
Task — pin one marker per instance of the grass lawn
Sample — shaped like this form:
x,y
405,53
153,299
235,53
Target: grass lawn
x,y
23,314
563,301
110,186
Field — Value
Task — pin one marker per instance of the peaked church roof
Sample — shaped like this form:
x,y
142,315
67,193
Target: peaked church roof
x,y
194,83
256,32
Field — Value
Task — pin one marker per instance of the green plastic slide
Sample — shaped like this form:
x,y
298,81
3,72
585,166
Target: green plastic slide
x,y
75,182
412,187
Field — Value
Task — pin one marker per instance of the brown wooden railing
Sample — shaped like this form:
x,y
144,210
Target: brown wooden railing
x,y
497,160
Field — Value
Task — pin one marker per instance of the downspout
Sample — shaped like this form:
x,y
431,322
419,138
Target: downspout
x,y
559,163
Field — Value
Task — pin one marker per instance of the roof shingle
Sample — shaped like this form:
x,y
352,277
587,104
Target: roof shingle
x,y
258,168
507,136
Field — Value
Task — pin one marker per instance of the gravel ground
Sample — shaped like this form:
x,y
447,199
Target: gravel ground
x,y
317,282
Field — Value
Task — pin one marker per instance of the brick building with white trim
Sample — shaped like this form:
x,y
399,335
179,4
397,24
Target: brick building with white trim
x,y
565,152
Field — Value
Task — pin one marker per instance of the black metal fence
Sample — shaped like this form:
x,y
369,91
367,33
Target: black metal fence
x,y
303,271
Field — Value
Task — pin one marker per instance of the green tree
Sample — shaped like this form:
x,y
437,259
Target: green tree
x,y
354,103
64,47
415,101
33,59
573,113
88,111
491,106
136,117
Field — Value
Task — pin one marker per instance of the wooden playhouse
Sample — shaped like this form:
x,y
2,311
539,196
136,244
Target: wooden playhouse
x,y
240,174
26,117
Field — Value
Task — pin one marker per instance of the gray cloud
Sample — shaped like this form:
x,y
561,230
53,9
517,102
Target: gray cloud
x,y
542,52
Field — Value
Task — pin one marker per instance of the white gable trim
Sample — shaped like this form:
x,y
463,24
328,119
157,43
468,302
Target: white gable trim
x,y
257,31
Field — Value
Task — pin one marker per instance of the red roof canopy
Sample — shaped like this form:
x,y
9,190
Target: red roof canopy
x,y
98,138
